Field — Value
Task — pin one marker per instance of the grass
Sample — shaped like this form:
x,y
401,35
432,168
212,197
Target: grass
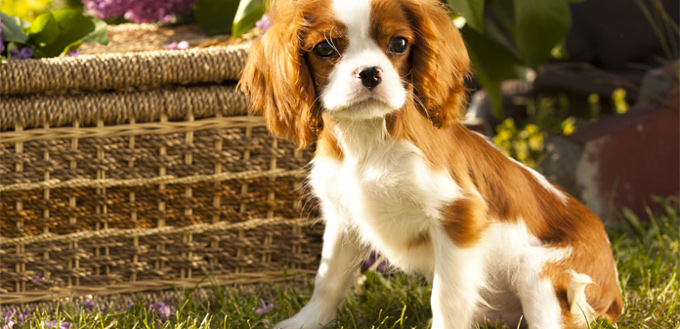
x,y
646,251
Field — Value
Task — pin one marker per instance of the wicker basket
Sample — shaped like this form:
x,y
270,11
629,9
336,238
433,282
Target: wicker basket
x,y
140,170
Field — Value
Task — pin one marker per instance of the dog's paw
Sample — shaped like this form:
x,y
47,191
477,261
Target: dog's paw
x,y
311,316
295,323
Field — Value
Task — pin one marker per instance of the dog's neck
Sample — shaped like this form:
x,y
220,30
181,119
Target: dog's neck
x,y
362,139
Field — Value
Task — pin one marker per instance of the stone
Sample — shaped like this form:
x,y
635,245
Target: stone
x,y
627,159
623,160
562,157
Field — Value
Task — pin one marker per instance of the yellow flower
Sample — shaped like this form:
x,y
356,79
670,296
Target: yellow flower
x,y
522,156
509,123
568,125
25,9
531,128
536,142
619,98
524,134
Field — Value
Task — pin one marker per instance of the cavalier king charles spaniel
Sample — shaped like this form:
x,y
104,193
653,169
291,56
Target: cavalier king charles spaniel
x,y
378,86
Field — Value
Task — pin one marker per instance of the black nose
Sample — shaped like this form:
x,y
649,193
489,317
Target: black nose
x,y
370,77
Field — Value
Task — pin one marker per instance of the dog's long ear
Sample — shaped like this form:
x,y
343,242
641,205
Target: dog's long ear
x,y
439,61
277,80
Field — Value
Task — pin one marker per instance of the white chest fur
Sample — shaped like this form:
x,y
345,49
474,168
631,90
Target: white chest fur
x,y
384,190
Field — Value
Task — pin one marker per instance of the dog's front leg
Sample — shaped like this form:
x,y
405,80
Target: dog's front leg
x,y
339,261
458,277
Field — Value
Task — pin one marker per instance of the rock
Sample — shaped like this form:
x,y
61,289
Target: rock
x,y
563,156
481,107
660,88
622,160
619,161
627,159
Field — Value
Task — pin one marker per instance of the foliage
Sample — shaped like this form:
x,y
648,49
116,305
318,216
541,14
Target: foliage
x,y
524,141
524,144
228,16
213,16
648,258
25,9
51,34
506,36
663,25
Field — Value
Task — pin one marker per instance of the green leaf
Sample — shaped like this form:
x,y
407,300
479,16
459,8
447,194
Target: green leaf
x,y
11,28
248,13
54,34
215,16
504,15
10,46
493,62
540,26
100,34
471,10
44,30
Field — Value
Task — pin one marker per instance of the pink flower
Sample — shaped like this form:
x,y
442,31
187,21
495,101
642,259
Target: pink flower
x,y
54,324
177,45
90,305
139,11
266,308
264,23
163,309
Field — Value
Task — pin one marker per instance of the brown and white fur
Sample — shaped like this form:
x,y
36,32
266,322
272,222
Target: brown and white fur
x,y
396,171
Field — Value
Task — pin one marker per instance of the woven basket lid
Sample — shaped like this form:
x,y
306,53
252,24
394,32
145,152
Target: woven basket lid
x,y
135,58
134,77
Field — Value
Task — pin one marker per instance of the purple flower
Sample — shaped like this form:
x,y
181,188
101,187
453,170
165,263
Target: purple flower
x,y
23,54
12,318
129,306
163,309
266,308
90,305
139,11
8,318
177,45
54,324
38,277
264,23
370,260
106,8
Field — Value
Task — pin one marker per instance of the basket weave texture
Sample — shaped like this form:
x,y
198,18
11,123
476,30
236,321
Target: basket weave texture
x,y
139,170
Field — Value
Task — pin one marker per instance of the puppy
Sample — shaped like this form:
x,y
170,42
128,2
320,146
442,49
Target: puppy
x,y
378,86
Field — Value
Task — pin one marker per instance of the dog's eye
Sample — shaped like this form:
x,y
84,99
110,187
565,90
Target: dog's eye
x,y
324,49
398,46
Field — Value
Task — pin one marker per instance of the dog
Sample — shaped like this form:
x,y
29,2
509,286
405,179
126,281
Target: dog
x,y
378,87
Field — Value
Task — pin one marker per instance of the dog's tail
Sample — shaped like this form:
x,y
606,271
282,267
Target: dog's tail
x,y
581,313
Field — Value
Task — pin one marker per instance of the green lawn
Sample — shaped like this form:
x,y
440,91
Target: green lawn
x,y
646,251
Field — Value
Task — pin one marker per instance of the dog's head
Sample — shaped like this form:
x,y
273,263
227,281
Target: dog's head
x,y
355,59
